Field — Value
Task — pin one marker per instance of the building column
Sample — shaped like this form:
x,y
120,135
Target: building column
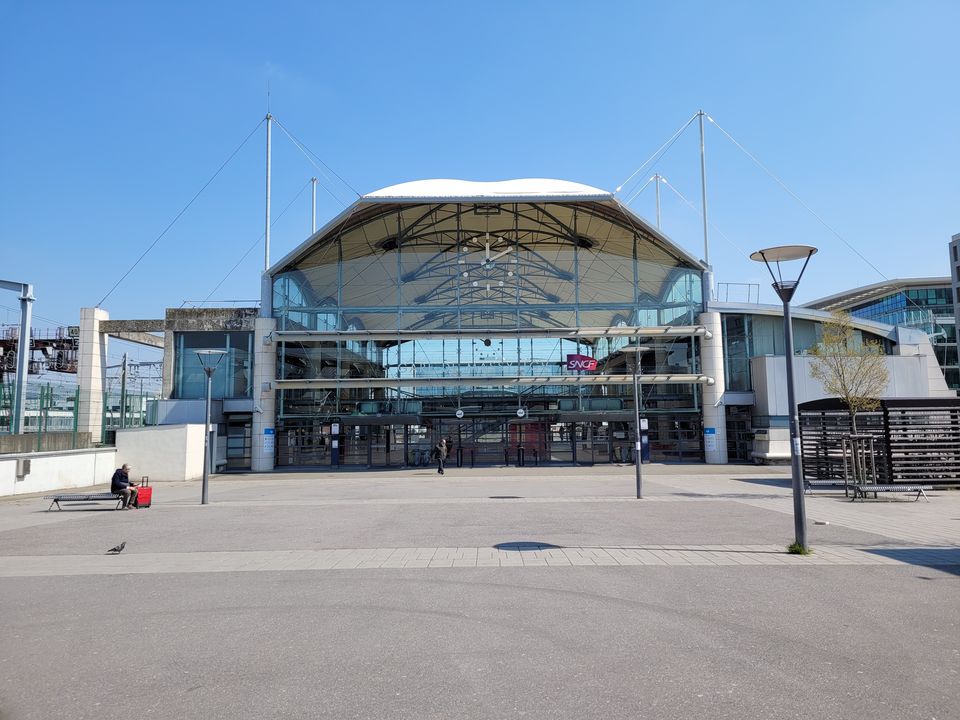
x,y
264,395
91,371
714,413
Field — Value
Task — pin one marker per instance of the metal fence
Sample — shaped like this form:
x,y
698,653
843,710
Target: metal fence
x,y
50,414
912,440
123,410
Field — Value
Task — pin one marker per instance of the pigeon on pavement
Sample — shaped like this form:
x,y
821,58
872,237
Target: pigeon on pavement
x,y
118,549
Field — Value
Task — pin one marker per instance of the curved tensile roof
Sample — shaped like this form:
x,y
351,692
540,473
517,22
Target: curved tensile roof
x,y
525,190
547,207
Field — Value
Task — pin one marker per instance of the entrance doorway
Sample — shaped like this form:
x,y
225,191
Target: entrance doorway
x,y
239,441
676,438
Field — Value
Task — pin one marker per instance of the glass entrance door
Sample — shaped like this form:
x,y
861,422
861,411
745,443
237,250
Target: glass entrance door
x,y
239,440
592,442
676,438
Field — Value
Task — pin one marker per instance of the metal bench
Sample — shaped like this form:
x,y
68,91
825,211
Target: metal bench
x,y
83,497
810,485
861,490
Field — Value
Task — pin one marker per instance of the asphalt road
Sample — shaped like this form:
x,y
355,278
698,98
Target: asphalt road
x,y
838,640
745,642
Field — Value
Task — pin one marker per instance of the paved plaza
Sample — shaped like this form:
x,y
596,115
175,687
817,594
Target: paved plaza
x,y
493,593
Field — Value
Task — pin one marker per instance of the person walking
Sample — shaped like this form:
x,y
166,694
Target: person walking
x,y
440,454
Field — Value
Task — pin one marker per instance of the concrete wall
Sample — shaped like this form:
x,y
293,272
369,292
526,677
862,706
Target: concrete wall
x,y
908,379
58,470
162,452
910,376
50,442
188,412
913,343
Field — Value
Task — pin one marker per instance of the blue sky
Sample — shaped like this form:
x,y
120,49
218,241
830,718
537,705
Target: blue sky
x,y
116,114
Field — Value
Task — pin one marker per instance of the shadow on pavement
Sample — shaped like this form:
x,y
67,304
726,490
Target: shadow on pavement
x,y
945,559
526,546
771,482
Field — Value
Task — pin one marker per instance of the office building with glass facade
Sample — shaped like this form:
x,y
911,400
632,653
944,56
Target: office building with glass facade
x,y
926,304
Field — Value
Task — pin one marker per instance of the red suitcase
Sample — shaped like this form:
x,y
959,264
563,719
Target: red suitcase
x,y
144,493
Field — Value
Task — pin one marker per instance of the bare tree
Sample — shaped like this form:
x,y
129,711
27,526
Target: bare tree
x,y
849,367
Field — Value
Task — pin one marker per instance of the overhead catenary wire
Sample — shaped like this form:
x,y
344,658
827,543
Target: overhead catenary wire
x,y
39,317
180,214
659,153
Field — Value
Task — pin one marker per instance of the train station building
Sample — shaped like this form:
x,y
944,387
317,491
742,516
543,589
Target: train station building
x,y
508,317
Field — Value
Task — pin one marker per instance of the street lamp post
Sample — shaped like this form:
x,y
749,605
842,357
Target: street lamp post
x,y
785,290
209,359
636,351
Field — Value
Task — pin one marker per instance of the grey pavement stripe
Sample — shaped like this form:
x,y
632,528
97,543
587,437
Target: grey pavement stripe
x,y
426,501
472,557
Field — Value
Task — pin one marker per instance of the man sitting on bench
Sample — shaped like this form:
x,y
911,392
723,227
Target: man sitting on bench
x,y
120,485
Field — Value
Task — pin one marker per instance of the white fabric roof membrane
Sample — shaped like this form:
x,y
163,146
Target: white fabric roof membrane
x,y
468,190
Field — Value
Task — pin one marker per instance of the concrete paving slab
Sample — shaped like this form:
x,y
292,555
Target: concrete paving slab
x,y
403,595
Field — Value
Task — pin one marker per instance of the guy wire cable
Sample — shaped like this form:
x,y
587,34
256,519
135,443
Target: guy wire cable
x,y
256,242
815,215
663,148
308,152
179,214
700,214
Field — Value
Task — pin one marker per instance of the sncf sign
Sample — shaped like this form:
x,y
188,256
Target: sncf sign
x,y
581,362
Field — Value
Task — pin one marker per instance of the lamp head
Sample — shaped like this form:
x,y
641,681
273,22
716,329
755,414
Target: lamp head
x,y
781,254
209,359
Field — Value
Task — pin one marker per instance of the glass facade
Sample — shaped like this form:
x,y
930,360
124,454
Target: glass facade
x,y
914,307
930,309
748,336
233,377
475,307
445,267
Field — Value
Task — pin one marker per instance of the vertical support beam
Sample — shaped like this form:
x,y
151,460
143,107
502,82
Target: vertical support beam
x,y
123,393
76,412
23,359
703,191
264,400
266,231
714,412
656,179
638,455
313,205
91,371
170,356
